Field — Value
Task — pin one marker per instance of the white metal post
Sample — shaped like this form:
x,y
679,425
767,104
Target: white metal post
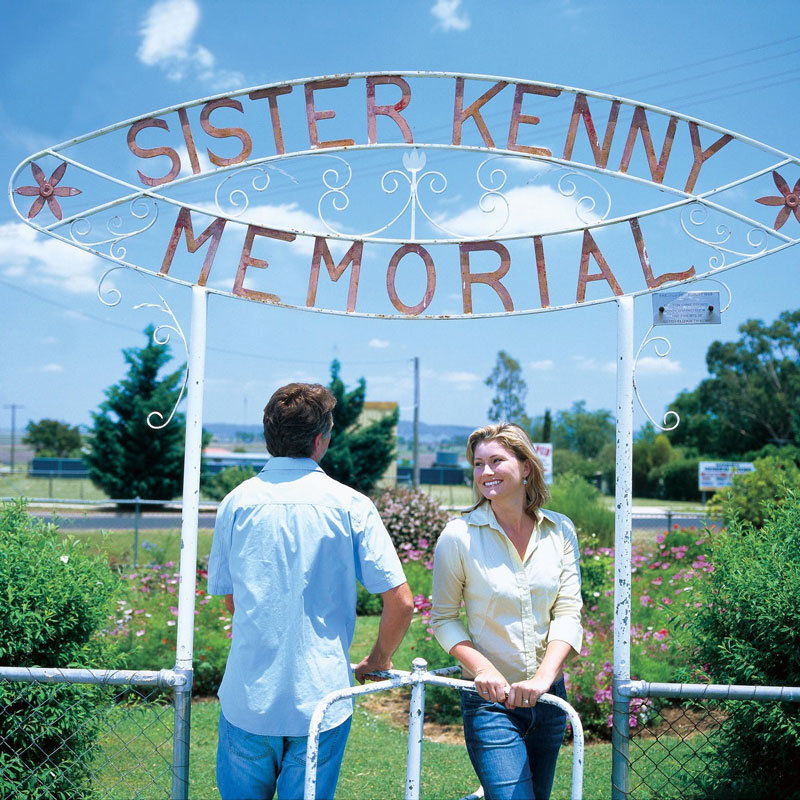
x,y
623,541
416,720
189,519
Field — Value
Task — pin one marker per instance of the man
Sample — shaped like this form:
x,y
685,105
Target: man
x,y
289,545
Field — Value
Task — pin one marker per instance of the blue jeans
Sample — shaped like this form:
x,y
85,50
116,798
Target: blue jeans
x,y
250,767
514,752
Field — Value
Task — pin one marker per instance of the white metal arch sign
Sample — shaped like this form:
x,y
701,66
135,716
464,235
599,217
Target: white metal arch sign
x,y
416,195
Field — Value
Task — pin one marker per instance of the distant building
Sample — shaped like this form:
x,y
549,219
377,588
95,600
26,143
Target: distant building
x,y
372,412
216,459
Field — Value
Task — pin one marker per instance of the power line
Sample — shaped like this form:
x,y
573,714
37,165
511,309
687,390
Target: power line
x,y
376,362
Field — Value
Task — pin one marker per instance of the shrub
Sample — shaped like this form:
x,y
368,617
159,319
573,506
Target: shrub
x,y
677,480
414,521
744,631
54,598
584,505
751,492
218,485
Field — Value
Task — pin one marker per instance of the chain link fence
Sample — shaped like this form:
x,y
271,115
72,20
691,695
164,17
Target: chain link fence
x,y
77,734
677,754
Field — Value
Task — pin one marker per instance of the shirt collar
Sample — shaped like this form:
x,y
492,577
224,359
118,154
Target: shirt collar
x,y
294,464
483,515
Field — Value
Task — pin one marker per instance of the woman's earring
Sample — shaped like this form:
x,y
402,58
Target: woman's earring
x,y
524,481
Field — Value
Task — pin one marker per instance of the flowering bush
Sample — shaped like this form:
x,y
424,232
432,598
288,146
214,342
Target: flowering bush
x,y
663,579
146,619
414,521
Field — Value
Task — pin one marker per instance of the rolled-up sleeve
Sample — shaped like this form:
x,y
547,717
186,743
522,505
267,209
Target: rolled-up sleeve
x,y
219,572
378,566
448,591
565,623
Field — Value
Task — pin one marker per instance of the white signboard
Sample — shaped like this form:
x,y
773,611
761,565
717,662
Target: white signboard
x,y
713,475
686,308
545,453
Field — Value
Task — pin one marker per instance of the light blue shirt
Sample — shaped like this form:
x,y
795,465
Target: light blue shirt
x,y
289,544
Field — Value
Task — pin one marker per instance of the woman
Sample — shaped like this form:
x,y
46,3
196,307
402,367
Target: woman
x,y
515,567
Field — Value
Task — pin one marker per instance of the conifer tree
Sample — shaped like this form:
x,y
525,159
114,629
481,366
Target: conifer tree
x,y
128,458
358,455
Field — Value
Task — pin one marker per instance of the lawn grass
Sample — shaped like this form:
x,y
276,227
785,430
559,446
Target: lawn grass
x,y
118,544
22,485
137,753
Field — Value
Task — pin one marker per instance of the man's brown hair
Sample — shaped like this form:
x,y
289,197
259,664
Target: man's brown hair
x,y
294,416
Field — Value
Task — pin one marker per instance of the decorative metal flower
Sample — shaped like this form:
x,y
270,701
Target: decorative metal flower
x,y
47,190
790,200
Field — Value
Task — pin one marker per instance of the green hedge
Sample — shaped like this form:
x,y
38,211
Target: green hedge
x,y
54,601
745,631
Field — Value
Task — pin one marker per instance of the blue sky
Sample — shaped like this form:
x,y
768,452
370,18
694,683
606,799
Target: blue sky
x,y
73,68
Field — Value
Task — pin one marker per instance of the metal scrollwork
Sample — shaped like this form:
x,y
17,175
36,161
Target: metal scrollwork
x,y
586,205
656,341
161,335
238,198
698,217
416,179
141,208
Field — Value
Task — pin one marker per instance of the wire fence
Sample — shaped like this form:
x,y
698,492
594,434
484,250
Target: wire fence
x,y
72,734
678,753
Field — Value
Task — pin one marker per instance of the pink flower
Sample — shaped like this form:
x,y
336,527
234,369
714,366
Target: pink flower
x,y
660,538
422,542
666,601
680,554
173,610
657,581
665,565
140,633
645,600
662,634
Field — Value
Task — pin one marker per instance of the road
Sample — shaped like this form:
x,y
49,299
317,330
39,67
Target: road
x,y
160,520
123,520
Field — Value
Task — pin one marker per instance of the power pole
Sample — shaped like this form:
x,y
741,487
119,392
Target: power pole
x,y
13,407
415,479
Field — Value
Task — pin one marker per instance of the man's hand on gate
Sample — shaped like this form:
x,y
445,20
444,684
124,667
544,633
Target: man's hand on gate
x,y
369,665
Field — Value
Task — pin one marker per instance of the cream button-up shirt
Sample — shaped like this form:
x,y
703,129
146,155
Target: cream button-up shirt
x,y
514,606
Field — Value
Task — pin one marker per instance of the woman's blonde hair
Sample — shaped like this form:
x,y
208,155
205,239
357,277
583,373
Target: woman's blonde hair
x,y
514,439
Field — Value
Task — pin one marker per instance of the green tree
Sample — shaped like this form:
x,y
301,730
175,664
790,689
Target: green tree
x,y
750,400
584,432
650,451
127,458
510,391
547,426
48,437
358,455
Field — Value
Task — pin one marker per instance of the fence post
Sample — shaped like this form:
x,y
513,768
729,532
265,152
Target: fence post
x,y
136,534
416,719
620,732
184,648
181,736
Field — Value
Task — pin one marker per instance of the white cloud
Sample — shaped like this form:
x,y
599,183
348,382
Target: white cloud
x,y
460,379
541,365
653,365
448,15
593,365
51,368
167,42
379,343
43,261
530,209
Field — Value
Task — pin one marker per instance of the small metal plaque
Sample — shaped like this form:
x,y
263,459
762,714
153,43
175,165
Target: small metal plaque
x,y
686,308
